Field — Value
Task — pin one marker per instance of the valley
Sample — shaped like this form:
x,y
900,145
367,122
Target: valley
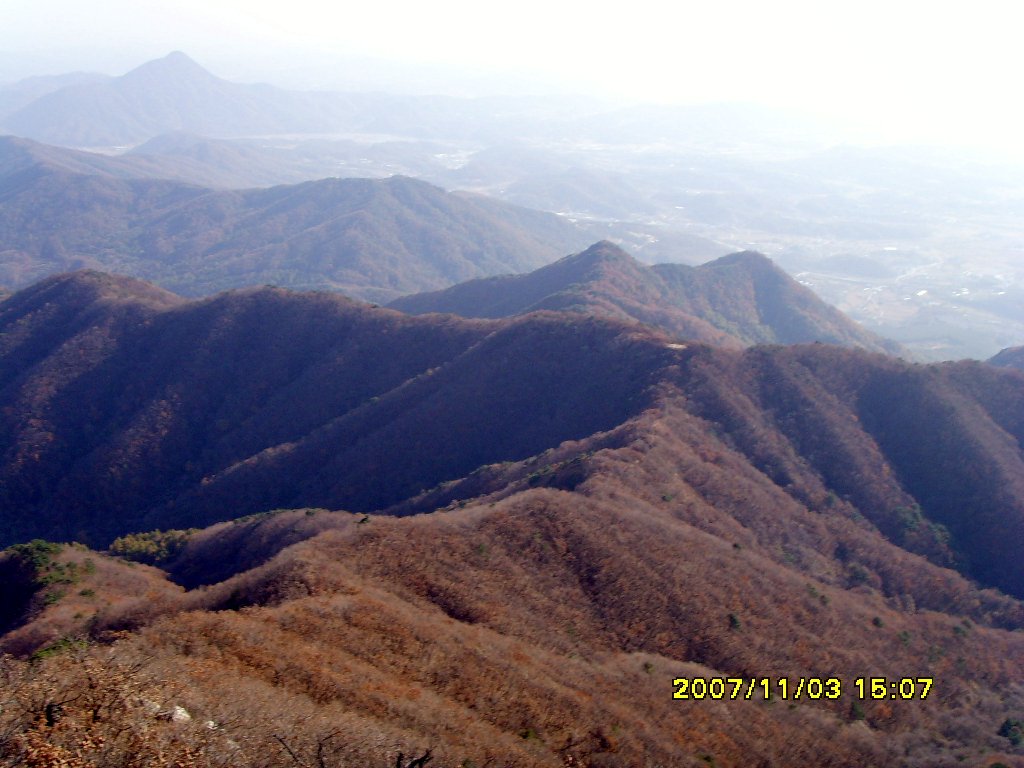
x,y
611,507
868,226
364,429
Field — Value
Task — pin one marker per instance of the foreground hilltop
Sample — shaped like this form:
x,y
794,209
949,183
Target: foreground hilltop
x,y
549,519
734,301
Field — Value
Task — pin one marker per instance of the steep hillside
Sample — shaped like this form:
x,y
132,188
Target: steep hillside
x,y
231,164
261,399
1011,357
181,157
373,239
306,360
535,626
14,96
607,510
17,155
734,301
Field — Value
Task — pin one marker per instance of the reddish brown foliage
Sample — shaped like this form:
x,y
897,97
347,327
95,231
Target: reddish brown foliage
x,y
615,512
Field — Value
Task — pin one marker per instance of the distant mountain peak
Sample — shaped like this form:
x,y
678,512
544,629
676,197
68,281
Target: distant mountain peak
x,y
745,258
601,253
736,300
1011,357
368,238
178,57
175,64
605,249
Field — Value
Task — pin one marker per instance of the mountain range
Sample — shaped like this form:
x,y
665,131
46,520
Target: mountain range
x,y
172,94
372,239
375,240
263,398
540,510
881,232
610,508
737,300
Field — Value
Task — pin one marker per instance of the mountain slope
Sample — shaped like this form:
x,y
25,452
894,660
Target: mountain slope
x,y
1011,357
175,93
17,154
259,399
489,632
374,239
168,94
230,164
608,511
204,162
14,96
733,301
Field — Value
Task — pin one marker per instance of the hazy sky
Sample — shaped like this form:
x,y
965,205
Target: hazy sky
x,y
939,70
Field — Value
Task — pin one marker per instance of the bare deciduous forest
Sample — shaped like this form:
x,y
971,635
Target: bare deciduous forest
x,y
547,520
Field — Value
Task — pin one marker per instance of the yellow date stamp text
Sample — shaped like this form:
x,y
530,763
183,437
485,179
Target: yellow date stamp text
x,y
800,688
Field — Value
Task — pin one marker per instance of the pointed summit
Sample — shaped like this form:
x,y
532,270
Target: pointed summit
x,y
737,300
604,250
602,263
749,259
175,61
173,93
178,58
600,253
176,66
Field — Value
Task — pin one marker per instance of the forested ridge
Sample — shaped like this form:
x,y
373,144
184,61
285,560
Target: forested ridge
x,y
329,533
734,301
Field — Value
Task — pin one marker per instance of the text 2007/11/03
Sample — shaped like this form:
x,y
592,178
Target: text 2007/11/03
x,y
795,688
